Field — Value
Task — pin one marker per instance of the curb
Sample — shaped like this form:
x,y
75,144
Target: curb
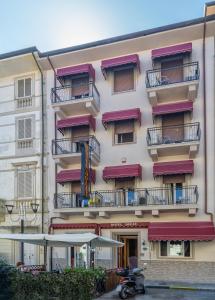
x,y
176,287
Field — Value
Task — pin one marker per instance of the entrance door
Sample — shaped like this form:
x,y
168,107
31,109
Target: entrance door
x,y
29,254
172,70
172,128
128,255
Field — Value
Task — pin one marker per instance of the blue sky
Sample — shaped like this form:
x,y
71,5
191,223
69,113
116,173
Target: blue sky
x,y
54,24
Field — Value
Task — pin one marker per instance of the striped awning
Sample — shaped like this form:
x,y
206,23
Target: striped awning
x,y
184,231
173,167
172,50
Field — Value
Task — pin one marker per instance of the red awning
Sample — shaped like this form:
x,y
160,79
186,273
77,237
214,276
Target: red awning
x,y
119,61
173,167
74,70
185,231
122,171
172,108
73,175
120,115
77,121
172,50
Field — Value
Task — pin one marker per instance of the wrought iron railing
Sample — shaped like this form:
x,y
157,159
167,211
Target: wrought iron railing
x,y
165,76
173,134
69,93
68,146
125,198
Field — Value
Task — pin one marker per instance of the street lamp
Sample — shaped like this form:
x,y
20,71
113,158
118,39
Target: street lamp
x,y
22,217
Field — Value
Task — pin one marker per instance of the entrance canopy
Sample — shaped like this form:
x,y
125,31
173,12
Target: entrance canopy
x,y
63,240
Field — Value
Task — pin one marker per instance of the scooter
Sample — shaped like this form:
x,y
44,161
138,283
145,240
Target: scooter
x,y
131,283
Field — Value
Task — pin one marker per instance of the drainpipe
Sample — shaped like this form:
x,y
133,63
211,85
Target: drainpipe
x,y
205,117
55,117
42,140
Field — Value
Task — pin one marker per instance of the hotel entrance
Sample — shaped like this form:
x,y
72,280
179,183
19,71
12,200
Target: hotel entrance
x,y
128,255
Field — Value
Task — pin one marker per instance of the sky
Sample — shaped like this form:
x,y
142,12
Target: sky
x,y
55,24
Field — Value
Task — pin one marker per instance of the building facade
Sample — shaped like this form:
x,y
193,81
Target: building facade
x,y
21,159
144,106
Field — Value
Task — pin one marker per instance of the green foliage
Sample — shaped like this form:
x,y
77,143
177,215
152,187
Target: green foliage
x,y
77,284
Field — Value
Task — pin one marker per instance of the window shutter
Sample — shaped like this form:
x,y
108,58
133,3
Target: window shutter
x,y
124,126
25,184
20,88
21,126
173,179
76,187
20,184
28,128
124,80
80,131
28,184
27,87
80,86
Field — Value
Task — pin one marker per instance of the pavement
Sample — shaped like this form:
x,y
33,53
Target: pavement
x,y
165,294
171,291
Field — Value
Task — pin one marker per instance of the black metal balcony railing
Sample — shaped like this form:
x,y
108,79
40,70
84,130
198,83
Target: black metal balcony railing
x,y
173,134
68,146
77,92
165,76
124,198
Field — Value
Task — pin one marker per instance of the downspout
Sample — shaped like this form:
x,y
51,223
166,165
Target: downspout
x,y
205,118
42,138
55,118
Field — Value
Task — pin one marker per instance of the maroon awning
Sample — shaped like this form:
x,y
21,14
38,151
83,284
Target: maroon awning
x,y
122,171
77,121
173,167
184,231
74,70
119,115
119,61
73,175
172,50
172,108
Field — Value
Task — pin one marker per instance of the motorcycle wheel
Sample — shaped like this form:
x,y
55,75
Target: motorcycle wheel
x,y
123,294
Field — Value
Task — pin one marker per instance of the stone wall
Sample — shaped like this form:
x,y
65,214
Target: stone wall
x,y
183,271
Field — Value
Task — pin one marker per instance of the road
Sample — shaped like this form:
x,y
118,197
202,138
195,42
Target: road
x,y
161,294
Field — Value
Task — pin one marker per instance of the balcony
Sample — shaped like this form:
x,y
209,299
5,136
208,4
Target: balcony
x,y
138,202
69,152
176,83
73,100
173,140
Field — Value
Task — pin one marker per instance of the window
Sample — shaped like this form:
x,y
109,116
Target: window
x,y
24,183
175,249
24,133
24,87
124,132
123,80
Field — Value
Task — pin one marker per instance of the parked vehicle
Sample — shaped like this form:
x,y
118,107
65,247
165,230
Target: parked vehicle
x,y
131,283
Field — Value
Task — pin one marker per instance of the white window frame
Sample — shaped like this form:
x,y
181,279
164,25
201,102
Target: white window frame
x,y
25,144
25,169
121,69
175,256
17,87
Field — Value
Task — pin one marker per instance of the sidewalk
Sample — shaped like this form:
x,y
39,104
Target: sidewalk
x,y
180,285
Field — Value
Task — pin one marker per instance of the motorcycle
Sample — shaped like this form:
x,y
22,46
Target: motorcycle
x,y
131,283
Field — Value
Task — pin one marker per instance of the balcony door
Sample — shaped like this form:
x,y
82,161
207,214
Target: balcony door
x,y
79,134
172,128
127,186
172,70
174,188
